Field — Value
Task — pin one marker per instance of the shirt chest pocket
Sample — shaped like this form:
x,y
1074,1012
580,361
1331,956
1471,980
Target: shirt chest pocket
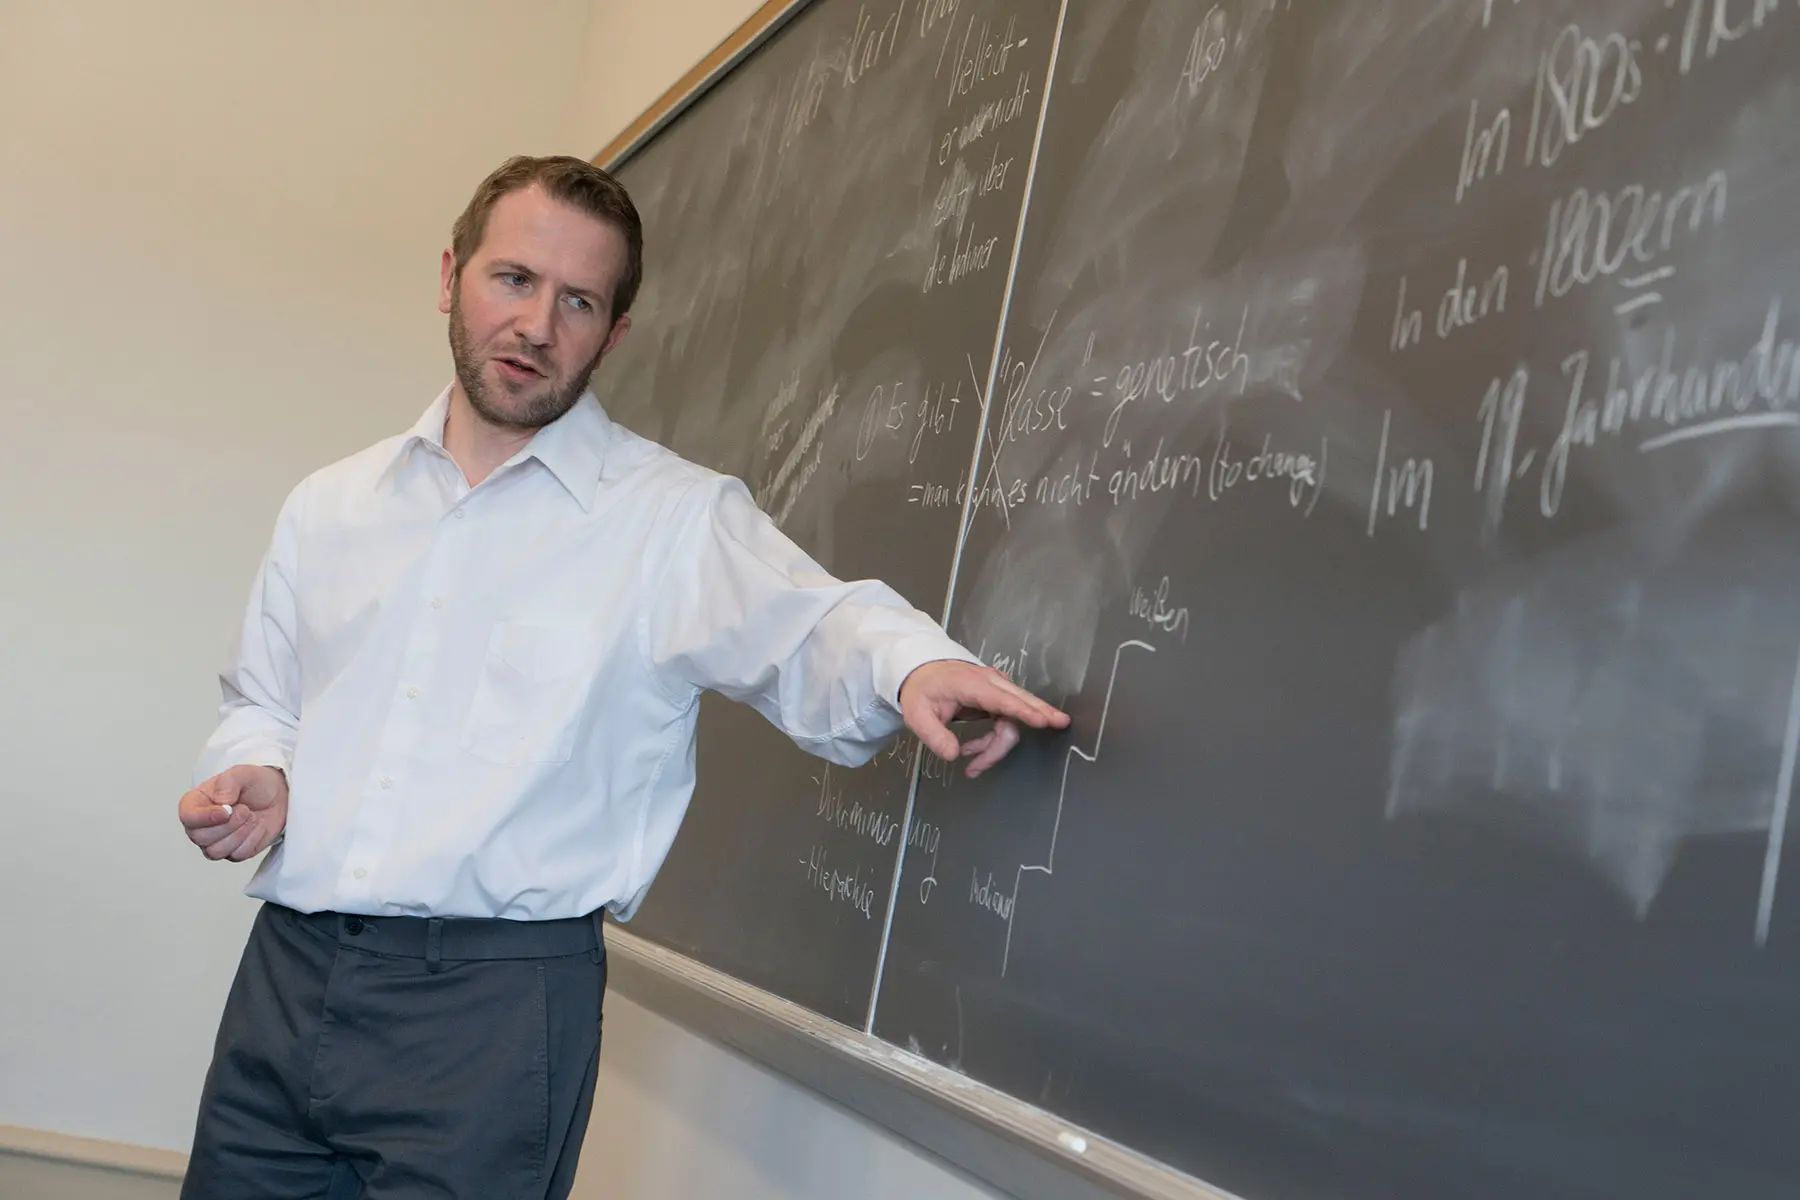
x,y
530,694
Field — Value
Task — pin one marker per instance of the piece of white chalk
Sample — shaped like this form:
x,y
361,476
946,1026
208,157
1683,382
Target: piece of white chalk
x,y
227,809
1072,1142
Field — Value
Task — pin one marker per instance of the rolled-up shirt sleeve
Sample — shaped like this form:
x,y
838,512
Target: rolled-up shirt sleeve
x,y
259,713
743,611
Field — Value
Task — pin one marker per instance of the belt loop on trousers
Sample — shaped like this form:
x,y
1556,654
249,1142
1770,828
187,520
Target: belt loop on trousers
x,y
599,950
434,945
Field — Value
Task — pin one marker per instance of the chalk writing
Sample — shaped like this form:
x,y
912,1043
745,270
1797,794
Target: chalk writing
x,y
1170,376
933,11
971,256
1409,323
889,414
926,837
1048,866
994,178
774,429
1665,403
1464,304
1153,609
968,256
981,56
1206,52
937,415
784,487
1582,83
1406,486
1073,486
934,495
1709,27
1118,476
1699,399
874,41
849,889
983,894
1159,472
1483,149
937,771
953,196
993,489
1010,663
1004,495
863,821
1588,237
990,117
1498,461
1026,412
1302,472
806,94
884,413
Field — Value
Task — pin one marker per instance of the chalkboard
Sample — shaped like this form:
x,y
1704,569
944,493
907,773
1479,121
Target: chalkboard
x,y
824,272
1390,461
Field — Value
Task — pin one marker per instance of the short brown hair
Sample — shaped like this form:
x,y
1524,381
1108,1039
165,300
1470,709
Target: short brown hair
x,y
574,182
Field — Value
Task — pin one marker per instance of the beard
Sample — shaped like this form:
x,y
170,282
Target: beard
x,y
544,403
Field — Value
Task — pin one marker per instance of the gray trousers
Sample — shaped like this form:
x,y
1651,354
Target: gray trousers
x,y
402,1057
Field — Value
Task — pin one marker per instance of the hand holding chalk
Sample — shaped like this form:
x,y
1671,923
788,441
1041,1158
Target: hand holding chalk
x,y
237,814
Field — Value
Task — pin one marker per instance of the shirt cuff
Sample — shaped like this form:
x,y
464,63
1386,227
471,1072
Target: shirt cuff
x,y
907,655
266,754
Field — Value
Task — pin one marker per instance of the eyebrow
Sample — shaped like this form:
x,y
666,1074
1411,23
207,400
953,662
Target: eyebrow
x,y
519,268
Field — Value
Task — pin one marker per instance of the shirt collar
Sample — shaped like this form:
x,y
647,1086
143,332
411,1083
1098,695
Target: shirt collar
x,y
572,448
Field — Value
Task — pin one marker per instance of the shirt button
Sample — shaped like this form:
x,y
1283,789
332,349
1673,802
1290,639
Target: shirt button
x,y
360,873
387,781
437,602
412,693
459,513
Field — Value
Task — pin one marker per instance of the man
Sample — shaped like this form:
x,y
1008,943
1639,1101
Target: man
x,y
461,710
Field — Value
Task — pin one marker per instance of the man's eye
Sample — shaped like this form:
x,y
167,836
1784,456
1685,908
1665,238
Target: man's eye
x,y
513,279
581,304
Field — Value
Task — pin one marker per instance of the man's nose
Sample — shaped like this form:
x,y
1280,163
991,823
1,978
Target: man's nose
x,y
537,323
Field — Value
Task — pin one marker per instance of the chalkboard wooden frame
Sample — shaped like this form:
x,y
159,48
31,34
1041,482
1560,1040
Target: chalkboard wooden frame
x,y
994,1137
763,24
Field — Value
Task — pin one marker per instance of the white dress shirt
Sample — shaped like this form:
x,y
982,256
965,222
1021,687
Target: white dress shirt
x,y
485,698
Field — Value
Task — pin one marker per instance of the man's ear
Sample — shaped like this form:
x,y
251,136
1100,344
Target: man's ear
x,y
447,285
620,328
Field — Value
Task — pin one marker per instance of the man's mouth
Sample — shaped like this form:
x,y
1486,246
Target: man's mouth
x,y
517,369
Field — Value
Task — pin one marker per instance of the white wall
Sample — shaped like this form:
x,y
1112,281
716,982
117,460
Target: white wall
x,y
219,225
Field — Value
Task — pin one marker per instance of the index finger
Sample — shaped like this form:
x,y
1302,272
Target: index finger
x,y
1004,698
